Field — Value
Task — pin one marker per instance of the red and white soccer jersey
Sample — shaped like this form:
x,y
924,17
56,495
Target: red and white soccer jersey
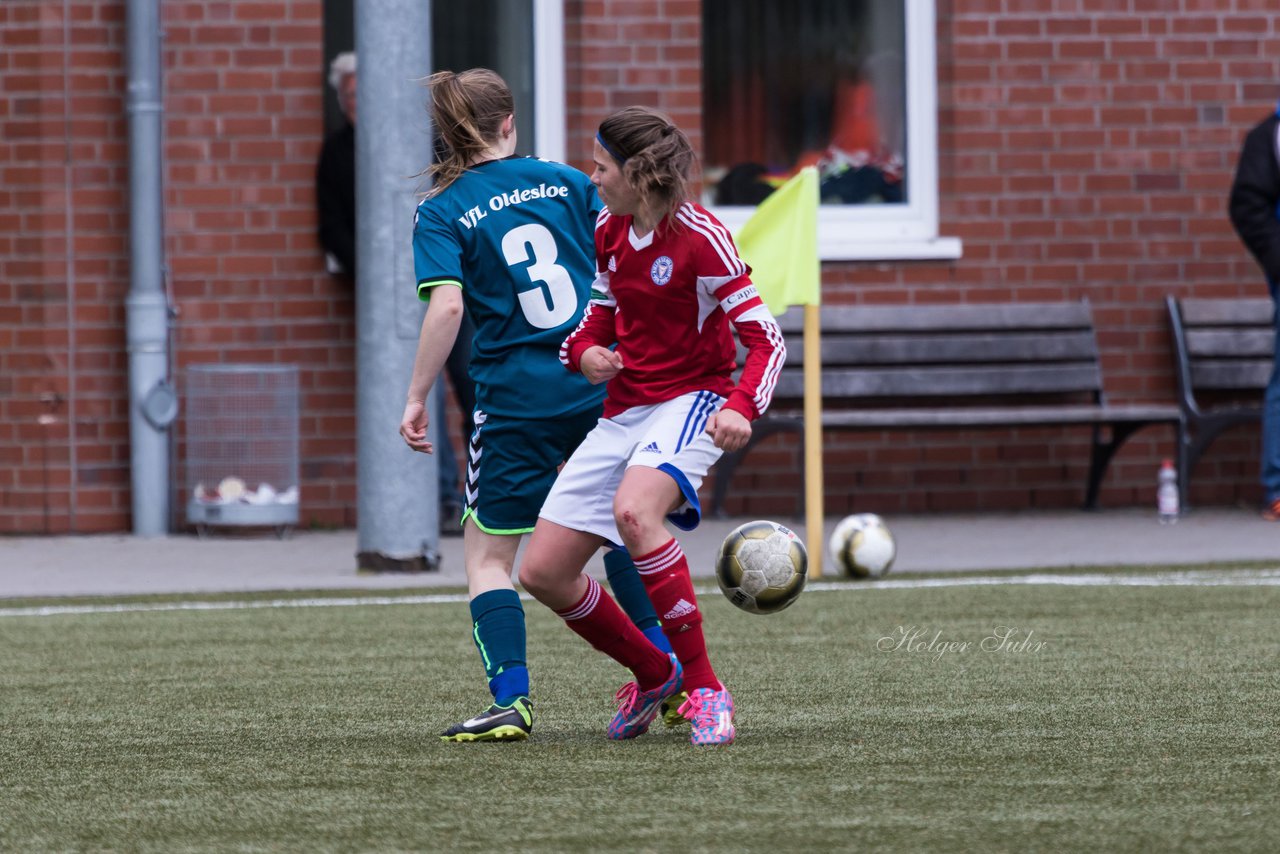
x,y
667,300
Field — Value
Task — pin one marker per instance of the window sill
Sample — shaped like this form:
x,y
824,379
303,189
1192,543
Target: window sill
x,y
849,238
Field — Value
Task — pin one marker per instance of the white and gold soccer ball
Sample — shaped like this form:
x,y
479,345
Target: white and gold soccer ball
x,y
863,546
762,567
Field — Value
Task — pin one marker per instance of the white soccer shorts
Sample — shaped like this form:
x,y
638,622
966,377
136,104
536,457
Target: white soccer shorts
x,y
666,436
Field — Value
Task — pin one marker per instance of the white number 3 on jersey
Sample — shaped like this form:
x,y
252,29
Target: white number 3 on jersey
x,y
553,302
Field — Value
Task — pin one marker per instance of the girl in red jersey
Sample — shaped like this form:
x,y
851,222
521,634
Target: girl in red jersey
x,y
669,283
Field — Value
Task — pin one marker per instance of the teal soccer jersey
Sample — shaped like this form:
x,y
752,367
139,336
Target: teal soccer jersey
x,y
523,227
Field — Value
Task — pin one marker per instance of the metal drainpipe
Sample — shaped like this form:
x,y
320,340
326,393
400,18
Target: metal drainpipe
x,y
68,214
396,498
152,402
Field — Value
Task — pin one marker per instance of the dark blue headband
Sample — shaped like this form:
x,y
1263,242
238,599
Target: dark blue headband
x,y
610,151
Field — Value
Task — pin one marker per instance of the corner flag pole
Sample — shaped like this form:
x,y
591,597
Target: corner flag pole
x,y
813,502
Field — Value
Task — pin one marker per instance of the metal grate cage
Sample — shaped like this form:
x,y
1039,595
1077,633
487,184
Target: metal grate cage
x,y
242,445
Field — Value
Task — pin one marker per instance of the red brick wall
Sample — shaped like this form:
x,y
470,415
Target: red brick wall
x,y
243,123
625,52
63,269
244,105
1086,148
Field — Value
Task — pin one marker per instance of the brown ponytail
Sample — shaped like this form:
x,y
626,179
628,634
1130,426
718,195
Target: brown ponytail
x,y
467,109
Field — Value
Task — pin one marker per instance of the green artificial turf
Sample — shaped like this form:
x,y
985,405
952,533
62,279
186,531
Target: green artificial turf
x,y
1133,718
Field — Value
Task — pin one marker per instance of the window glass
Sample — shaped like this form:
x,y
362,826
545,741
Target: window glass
x,y
807,82
848,86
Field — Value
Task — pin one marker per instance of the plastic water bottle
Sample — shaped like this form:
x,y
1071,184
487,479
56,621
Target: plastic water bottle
x,y
1167,493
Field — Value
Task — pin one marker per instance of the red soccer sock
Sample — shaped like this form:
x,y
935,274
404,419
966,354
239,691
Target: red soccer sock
x,y
598,620
665,573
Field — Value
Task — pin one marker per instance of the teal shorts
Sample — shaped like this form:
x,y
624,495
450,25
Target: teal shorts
x,y
511,464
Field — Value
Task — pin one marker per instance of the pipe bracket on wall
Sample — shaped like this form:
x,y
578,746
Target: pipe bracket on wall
x,y
160,405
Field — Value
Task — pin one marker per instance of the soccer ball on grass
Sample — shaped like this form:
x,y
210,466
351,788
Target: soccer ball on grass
x,y
762,567
863,546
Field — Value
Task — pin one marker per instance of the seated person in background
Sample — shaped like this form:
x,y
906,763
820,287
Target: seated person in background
x,y
336,174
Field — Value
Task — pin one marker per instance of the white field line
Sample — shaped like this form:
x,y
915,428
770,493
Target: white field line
x,y
329,602
1183,578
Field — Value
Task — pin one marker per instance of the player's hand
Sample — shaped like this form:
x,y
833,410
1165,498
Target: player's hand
x,y
729,429
413,426
599,364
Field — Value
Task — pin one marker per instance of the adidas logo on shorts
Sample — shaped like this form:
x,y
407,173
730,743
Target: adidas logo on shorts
x,y
682,609
651,448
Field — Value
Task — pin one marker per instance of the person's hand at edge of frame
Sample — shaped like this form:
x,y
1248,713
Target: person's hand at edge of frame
x,y
413,426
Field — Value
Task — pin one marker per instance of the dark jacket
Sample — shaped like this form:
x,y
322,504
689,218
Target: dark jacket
x,y
336,196
1255,196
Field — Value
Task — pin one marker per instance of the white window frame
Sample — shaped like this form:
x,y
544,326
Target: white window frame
x,y
548,79
886,232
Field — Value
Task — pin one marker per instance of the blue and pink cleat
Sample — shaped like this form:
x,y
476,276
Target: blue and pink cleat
x,y
637,709
711,714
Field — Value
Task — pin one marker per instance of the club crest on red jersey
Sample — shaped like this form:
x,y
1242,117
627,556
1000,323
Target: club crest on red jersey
x,y
661,270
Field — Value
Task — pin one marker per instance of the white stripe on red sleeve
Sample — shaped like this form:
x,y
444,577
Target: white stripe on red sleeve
x,y
766,354
717,237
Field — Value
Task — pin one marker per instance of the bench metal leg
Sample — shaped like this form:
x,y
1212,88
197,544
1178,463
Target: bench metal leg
x,y
1100,458
1185,462
1195,439
1103,451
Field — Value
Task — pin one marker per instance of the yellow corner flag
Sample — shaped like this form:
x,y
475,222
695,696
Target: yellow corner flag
x,y
780,242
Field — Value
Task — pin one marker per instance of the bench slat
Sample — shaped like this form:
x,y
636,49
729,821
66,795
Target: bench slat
x,y
873,318
980,416
1227,312
949,382
839,351
1231,375
1259,343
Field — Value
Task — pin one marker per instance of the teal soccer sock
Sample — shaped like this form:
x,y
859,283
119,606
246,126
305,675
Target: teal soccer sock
x,y
498,630
628,589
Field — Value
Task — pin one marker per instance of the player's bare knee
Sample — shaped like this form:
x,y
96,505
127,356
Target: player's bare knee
x,y
535,586
533,579
629,521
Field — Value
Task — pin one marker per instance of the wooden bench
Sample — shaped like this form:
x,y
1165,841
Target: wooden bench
x,y
948,367
1223,349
